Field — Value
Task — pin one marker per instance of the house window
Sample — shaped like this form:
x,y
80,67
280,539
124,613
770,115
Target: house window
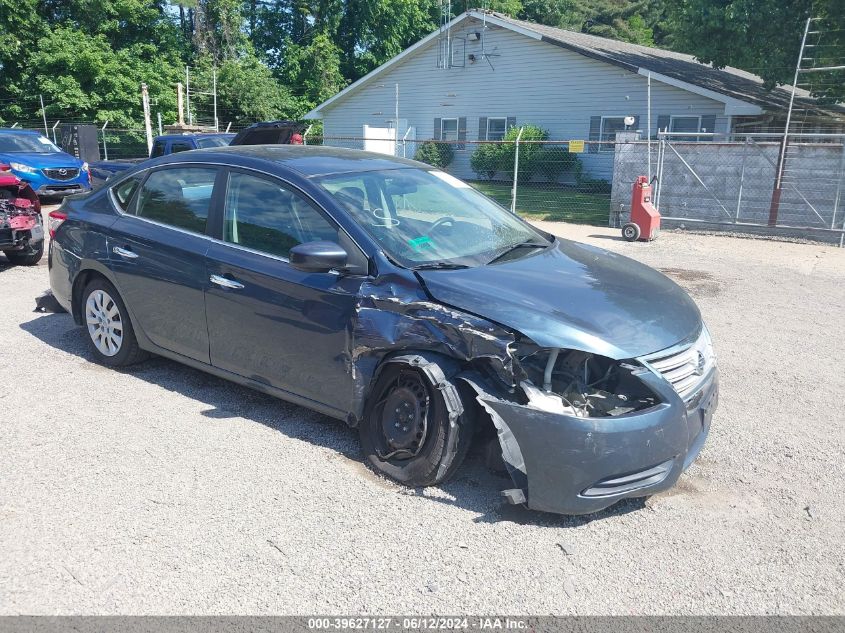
x,y
610,125
496,128
449,129
685,124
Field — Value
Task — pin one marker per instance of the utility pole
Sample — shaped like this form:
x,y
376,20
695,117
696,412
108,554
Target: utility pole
x,y
180,104
214,88
188,95
148,128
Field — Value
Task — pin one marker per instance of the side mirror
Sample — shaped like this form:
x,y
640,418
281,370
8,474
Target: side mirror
x,y
317,257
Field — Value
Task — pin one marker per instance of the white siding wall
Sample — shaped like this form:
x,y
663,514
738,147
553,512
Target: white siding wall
x,y
534,81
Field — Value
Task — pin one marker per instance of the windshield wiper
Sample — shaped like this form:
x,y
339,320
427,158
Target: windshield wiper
x,y
511,249
439,266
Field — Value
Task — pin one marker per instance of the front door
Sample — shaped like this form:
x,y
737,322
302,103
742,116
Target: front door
x,y
157,253
266,320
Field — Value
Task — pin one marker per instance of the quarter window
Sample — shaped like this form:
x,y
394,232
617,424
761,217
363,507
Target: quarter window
x,y
496,128
124,191
178,197
263,215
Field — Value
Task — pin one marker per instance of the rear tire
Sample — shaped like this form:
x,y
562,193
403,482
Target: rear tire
x,y
29,256
407,433
631,232
108,328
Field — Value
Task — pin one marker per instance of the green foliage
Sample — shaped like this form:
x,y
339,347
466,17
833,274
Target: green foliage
x,y
315,70
764,36
435,154
486,160
594,185
530,146
553,162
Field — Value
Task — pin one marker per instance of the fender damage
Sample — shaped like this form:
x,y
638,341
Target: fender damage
x,y
560,460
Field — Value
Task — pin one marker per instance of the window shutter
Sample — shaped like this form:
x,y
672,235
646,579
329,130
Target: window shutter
x,y
636,125
482,128
511,123
436,134
595,133
663,122
708,123
462,131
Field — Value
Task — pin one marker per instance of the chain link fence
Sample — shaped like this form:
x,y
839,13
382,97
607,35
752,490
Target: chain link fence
x,y
740,183
546,180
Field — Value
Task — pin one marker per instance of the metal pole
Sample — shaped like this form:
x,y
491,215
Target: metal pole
x,y
188,95
15,124
54,130
838,197
648,126
741,179
105,148
214,79
43,114
396,130
158,115
515,171
228,126
305,135
180,105
148,128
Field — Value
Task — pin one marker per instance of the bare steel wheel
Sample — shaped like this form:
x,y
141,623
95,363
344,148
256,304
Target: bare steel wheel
x,y
104,321
111,336
415,428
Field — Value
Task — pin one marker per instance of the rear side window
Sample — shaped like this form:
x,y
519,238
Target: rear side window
x,y
263,215
124,191
178,197
180,146
158,149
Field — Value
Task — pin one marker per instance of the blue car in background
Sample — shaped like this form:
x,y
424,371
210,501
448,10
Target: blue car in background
x,y
36,160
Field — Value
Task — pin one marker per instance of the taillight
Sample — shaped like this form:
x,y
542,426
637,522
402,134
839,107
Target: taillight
x,y
54,221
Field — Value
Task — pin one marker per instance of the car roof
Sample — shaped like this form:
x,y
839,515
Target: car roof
x,y
192,135
310,160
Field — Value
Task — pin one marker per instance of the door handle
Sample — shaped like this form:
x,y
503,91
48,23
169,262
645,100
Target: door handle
x,y
225,282
124,253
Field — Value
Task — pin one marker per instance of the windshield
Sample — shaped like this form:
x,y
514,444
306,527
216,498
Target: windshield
x,y
30,143
214,141
422,217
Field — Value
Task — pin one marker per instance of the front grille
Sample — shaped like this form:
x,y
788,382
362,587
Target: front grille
x,y
686,367
62,173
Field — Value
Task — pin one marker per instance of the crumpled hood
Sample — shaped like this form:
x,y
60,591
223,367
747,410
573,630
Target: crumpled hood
x,y
575,296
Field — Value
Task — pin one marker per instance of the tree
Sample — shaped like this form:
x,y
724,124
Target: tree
x,y
315,70
764,37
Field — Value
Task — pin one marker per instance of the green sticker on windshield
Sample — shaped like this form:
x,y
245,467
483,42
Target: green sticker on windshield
x,y
418,242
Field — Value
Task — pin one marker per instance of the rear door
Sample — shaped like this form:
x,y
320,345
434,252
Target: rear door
x,y
157,252
266,320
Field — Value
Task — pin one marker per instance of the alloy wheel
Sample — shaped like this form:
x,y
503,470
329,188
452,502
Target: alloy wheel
x,y
104,321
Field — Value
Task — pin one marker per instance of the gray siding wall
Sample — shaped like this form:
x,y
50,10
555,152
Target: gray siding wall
x,y
534,81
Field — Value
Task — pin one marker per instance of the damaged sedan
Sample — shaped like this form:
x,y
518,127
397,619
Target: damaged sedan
x,y
395,297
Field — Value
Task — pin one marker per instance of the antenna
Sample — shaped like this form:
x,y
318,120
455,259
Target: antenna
x,y
444,40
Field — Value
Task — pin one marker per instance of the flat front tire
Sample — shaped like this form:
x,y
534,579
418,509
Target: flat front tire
x,y
409,433
108,328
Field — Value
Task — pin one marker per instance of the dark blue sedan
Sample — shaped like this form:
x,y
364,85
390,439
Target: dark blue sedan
x,y
396,298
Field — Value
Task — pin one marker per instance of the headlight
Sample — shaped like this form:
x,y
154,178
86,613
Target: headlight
x,y
581,384
23,168
85,167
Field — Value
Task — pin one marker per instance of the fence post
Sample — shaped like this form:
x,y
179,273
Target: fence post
x,y
741,180
105,148
838,197
515,170
305,135
54,130
43,114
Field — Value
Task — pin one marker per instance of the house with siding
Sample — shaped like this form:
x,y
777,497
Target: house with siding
x,y
484,72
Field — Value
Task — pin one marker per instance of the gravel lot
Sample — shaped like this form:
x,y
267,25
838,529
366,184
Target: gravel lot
x,y
162,490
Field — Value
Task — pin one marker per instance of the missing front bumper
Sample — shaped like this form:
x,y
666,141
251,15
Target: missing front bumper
x,y
571,465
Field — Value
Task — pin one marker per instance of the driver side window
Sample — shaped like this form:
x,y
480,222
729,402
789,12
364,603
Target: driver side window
x,y
263,215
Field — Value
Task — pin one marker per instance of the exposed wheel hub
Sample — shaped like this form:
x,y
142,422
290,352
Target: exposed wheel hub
x,y
404,414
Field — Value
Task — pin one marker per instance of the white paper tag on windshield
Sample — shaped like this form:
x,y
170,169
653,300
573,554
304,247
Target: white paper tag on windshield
x,y
448,178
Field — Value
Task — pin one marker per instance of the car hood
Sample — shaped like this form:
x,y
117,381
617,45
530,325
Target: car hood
x,y
575,296
41,161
